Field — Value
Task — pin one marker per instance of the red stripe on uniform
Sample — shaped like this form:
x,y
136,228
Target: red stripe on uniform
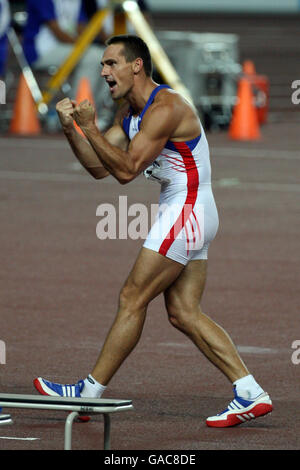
x,y
192,188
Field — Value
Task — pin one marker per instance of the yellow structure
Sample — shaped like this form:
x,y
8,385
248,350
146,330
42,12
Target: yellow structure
x,y
122,10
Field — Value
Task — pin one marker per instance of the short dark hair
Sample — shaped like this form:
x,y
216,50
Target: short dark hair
x,y
134,47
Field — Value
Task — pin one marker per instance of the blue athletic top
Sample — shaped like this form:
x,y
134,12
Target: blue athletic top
x,y
127,120
178,160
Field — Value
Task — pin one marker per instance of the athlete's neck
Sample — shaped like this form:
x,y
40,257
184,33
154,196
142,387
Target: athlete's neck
x,y
140,93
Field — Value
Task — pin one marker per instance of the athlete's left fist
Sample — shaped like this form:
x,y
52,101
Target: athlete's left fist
x,y
84,114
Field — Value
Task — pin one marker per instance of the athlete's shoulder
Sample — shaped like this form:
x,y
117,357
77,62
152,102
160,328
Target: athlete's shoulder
x,y
171,105
173,101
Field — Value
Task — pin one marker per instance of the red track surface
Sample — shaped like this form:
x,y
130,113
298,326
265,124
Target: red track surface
x,y
60,284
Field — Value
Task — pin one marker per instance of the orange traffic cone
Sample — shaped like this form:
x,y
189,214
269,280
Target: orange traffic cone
x,y
244,123
84,92
249,68
260,87
25,117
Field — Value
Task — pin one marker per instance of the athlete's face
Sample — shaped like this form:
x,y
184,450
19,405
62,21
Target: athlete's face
x,y
116,71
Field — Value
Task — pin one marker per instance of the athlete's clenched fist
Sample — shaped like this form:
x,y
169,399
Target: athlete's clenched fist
x,y
84,113
65,109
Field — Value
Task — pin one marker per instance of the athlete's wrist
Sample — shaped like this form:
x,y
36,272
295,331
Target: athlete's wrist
x,y
89,128
68,128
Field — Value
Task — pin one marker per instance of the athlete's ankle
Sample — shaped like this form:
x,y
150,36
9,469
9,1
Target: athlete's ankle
x,y
248,388
92,388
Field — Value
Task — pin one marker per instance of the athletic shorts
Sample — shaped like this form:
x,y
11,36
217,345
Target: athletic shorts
x,y
184,228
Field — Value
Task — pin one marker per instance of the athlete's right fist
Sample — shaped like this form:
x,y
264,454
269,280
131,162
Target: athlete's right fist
x,y
65,109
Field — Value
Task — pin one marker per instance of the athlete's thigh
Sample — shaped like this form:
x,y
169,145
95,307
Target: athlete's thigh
x,y
188,288
152,274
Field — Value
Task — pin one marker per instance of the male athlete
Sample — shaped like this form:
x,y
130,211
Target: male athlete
x,y
159,133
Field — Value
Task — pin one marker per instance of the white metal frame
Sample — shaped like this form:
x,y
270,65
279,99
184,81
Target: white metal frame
x,y
76,407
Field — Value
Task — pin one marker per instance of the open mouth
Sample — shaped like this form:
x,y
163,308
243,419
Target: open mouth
x,y
112,84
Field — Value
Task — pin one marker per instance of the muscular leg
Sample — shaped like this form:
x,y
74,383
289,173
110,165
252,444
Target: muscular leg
x,y
151,275
182,300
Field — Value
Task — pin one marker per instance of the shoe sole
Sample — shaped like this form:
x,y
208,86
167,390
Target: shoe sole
x,y
234,419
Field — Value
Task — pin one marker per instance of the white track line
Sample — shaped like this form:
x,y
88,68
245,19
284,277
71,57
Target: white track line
x,y
82,178
50,144
261,186
242,349
255,153
222,183
61,144
44,176
20,438
256,350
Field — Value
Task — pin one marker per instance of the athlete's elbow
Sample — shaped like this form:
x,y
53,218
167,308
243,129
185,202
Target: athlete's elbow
x,y
125,178
128,172
98,173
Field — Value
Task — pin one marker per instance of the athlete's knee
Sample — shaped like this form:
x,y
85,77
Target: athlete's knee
x,y
181,313
130,298
176,321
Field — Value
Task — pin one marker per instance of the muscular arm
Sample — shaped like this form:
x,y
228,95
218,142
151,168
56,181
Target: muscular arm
x,y
85,153
82,149
158,125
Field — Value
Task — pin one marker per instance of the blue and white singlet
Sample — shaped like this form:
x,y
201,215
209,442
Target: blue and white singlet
x,y
187,219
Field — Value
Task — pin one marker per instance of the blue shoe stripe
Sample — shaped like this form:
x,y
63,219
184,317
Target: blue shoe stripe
x,y
244,403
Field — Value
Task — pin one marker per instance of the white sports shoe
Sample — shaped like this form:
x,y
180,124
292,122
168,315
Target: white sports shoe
x,y
240,411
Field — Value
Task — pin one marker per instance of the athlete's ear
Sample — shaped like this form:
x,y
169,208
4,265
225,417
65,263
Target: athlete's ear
x,y
138,65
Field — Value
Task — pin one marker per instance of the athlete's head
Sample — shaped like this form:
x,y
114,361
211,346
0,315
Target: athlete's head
x,y
125,58
133,48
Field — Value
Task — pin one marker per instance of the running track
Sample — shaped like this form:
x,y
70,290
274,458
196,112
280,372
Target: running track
x,y
59,287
